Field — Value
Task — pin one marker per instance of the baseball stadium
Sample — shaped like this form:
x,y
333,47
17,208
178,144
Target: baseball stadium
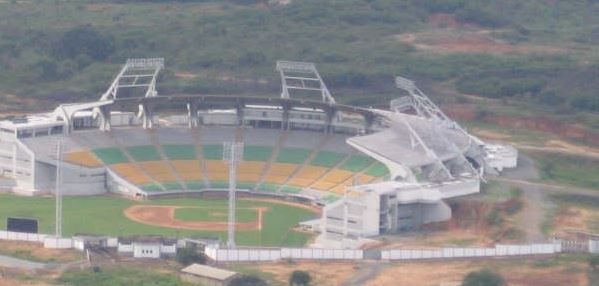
x,y
299,167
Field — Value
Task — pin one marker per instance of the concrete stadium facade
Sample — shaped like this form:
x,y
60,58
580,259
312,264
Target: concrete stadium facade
x,y
427,156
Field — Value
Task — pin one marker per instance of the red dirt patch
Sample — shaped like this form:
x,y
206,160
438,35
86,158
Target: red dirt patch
x,y
164,216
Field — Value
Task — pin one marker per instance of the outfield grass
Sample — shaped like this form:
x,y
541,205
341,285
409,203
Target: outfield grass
x,y
214,214
104,215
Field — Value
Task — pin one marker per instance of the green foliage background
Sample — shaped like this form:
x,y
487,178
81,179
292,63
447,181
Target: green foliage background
x,y
69,50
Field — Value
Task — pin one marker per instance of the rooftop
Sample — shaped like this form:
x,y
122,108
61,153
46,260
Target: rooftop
x,y
207,271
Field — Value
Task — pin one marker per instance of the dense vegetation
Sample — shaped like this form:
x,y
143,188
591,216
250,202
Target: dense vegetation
x,y
568,169
70,50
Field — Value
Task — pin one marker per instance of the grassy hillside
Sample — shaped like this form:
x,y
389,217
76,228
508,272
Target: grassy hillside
x,y
541,52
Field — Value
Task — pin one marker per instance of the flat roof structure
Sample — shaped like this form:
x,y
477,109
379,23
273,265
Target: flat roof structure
x,y
209,272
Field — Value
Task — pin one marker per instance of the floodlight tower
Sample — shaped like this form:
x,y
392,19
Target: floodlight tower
x,y
302,76
58,191
233,154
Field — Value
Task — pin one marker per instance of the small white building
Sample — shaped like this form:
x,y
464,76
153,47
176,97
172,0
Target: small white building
x,y
147,247
206,275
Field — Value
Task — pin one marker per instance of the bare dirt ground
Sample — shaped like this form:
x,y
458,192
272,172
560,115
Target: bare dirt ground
x,y
572,218
451,36
36,251
323,273
164,216
515,272
311,208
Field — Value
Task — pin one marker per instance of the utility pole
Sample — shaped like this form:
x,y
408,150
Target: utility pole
x,y
57,191
233,154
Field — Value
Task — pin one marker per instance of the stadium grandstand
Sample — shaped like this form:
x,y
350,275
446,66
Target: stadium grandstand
x,y
373,171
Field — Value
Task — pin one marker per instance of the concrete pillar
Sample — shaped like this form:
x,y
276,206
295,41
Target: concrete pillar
x,y
14,160
147,115
192,114
330,115
368,121
105,118
239,108
285,120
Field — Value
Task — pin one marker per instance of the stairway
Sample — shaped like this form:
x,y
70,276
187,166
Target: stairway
x,y
273,157
133,161
309,159
158,146
197,138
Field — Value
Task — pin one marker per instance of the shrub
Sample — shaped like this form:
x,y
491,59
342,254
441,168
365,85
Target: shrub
x,y
85,40
248,280
189,255
494,218
300,278
594,262
483,277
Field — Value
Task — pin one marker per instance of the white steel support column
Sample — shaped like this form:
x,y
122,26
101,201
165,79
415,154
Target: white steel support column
x,y
233,154
14,160
58,191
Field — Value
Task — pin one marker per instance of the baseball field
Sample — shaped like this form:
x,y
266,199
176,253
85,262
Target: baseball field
x,y
260,222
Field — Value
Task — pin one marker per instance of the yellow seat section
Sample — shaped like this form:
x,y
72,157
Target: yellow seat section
x,y
323,185
337,176
279,172
217,170
306,176
83,158
188,170
340,189
158,170
358,179
131,173
249,171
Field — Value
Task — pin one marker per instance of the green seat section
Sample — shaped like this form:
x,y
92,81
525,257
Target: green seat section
x,y
144,153
293,155
246,185
219,184
180,152
291,190
270,188
213,152
194,185
327,159
330,198
377,170
172,186
356,163
110,155
256,153
151,187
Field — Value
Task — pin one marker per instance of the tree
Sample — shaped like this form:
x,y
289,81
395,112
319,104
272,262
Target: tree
x,y
85,40
247,280
483,277
189,255
594,261
300,278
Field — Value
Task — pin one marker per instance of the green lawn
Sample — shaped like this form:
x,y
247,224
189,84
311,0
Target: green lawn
x,y
215,214
144,153
568,169
119,276
104,215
